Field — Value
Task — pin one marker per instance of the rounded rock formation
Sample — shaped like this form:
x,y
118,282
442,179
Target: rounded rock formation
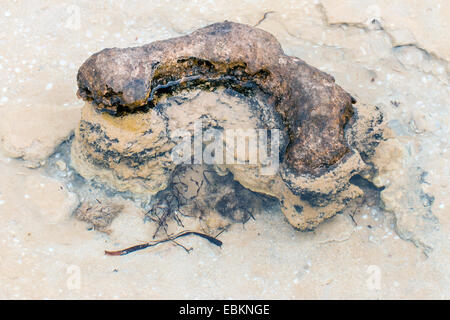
x,y
227,77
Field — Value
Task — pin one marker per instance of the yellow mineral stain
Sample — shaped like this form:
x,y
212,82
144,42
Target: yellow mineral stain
x,y
130,122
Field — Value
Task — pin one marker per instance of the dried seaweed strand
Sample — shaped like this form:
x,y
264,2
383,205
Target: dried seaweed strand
x,y
155,243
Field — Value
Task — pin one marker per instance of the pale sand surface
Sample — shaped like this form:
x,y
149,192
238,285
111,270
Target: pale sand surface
x,y
393,55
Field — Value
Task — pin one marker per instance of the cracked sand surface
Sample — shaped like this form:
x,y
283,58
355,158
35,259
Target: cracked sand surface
x,y
399,63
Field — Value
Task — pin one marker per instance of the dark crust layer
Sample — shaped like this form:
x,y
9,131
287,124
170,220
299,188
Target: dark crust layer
x,y
314,109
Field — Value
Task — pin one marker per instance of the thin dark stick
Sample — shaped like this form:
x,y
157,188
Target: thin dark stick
x,y
251,215
352,216
221,231
155,243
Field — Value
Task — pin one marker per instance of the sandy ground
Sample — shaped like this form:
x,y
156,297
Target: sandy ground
x,y
391,54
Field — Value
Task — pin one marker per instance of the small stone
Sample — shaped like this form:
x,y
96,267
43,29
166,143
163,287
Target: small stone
x,y
61,165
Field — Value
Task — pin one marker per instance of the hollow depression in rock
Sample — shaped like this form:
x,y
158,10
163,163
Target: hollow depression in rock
x,y
178,96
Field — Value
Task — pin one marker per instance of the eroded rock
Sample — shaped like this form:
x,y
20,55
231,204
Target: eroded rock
x,y
33,133
226,76
98,214
314,109
403,194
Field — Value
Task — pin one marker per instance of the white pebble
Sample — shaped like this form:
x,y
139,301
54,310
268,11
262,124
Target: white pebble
x,y
61,165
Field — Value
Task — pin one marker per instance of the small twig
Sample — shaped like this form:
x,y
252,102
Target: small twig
x,y
170,238
352,216
263,18
180,245
251,215
204,176
221,231
177,219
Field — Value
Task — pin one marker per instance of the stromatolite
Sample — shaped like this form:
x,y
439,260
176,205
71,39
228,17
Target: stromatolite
x,y
138,97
